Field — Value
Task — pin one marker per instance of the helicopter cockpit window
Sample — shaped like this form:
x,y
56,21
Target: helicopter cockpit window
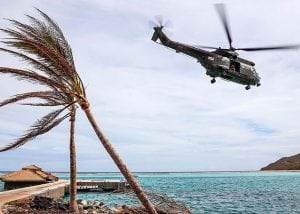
x,y
234,66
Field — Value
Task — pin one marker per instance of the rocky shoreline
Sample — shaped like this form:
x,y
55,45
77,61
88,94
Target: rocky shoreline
x,y
44,205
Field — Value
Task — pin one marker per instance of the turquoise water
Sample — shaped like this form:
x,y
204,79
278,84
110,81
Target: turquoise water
x,y
213,192
216,192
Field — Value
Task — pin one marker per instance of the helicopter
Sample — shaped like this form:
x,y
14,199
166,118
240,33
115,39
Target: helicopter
x,y
221,62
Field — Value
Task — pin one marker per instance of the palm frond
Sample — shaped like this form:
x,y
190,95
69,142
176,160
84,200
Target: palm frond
x,y
33,77
49,103
35,132
43,45
46,95
49,70
40,50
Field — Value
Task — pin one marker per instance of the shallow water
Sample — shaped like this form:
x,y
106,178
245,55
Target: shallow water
x,y
216,192
213,192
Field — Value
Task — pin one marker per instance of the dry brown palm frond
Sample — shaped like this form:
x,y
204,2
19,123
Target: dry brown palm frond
x,y
42,52
35,78
46,95
43,45
48,34
162,202
53,38
59,32
49,70
50,103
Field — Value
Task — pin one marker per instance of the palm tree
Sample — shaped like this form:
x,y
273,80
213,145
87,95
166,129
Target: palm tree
x,y
46,124
43,45
73,182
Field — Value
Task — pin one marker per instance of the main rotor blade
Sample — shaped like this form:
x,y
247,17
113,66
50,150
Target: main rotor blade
x,y
159,19
222,13
270,48
160,22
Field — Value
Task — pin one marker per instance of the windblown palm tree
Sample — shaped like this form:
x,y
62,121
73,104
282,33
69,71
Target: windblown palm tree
x,y
46,124
43,45
73,170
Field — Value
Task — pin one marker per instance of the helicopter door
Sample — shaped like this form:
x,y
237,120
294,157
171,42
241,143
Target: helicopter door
x,y
235,66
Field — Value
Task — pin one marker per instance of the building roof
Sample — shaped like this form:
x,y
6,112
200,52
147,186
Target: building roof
x,y
32,167
30,173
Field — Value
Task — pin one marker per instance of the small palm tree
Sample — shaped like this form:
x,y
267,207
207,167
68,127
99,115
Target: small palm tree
x,y
45,124
43,45
73,170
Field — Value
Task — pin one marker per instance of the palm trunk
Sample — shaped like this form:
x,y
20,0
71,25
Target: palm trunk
x,y
119,162
73,182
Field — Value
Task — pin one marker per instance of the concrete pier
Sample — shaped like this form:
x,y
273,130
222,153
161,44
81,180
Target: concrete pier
x,y
59,189
103,185
53,190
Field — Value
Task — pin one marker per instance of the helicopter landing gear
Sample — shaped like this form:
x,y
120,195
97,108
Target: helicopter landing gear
x,y
247,87
213,81
258,84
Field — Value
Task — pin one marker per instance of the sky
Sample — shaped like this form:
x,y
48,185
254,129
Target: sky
x,y
157,107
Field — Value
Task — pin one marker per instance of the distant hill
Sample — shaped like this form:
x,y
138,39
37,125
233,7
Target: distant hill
x,y
285,163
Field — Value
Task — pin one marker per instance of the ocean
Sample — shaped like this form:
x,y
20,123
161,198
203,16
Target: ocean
x,y
212,192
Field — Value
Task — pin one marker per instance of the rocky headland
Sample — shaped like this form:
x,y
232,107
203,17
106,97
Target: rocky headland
x,y
285,163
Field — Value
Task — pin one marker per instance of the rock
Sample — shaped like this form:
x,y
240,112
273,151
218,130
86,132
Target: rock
x,y
80,207
5,211
62,206
84,202
96,203
86,207
124,207
41,202
11,209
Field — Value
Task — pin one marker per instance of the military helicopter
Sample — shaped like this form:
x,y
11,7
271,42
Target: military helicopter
x,y
222,62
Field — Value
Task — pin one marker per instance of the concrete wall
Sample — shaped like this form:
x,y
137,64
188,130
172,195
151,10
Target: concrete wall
x,y
54,193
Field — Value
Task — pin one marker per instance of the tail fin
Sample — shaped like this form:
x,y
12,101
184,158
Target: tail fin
x,y
155,36
159,34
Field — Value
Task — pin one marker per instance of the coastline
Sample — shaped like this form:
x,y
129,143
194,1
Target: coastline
x,y
170,172
209,190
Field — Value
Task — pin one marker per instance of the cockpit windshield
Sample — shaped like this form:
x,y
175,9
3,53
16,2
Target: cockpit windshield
x,y
254,72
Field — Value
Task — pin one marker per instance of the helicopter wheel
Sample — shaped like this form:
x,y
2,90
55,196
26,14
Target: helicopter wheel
x,y
247,87
213,81
258,84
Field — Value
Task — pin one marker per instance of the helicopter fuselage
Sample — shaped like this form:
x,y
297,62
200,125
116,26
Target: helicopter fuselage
x,y
219,63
